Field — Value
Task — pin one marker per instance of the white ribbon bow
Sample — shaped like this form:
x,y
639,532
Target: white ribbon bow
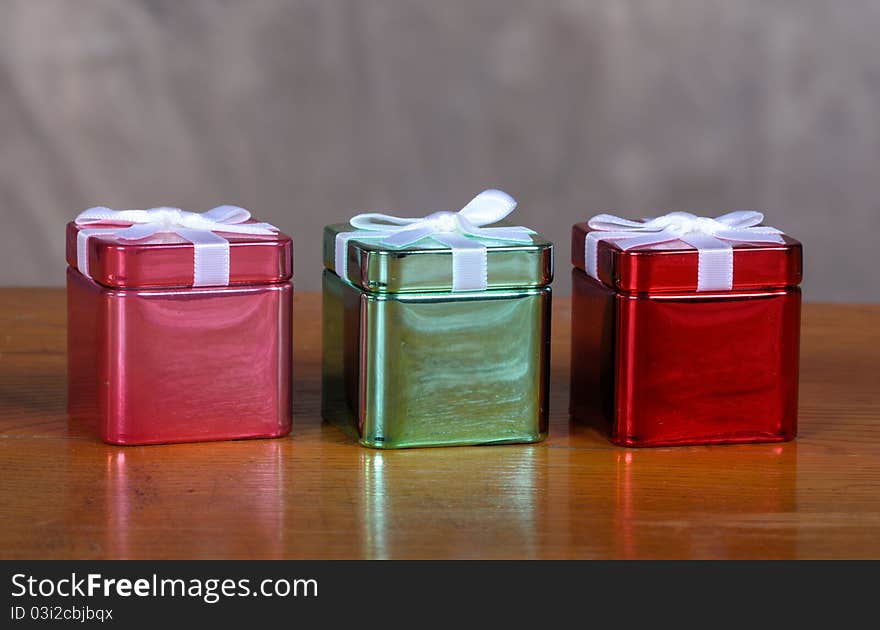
x,y
457,230
211,251
710,237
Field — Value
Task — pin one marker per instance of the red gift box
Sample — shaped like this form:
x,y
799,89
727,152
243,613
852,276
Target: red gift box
x,y
153,358
672,345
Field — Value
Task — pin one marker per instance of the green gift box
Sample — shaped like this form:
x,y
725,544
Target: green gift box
x,y
437,330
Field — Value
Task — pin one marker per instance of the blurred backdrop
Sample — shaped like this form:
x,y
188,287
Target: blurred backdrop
x,y
307,111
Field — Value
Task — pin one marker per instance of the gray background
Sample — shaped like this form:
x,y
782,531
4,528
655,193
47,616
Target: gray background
x,y
306,112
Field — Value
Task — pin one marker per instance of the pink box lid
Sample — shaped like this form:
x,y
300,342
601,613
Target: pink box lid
x,y
166,260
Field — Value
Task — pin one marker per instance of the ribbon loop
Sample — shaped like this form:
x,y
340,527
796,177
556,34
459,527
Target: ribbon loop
x,y
711,238
210,250
460,231
490,206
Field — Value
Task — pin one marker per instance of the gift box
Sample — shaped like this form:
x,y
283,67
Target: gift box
x,y
179,325
685,329
437,329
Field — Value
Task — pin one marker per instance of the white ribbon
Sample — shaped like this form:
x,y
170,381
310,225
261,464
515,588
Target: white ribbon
x,y
457,230
710,237
211,251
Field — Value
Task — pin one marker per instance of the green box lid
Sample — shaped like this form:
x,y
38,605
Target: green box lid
x,y
427,264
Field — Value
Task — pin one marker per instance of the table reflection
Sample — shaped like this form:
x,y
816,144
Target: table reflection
x,y
689,503
478,496
189,496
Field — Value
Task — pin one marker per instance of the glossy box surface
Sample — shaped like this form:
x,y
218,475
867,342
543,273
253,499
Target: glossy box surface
x,y
151,365
435,368
676,366
425,267
166,260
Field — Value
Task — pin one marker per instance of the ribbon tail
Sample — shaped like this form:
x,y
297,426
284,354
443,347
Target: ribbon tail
x,y
753,235
641,239
340,249
100,214
714,262
137,231
376,221
132,233
632,240
257,229
210,257
513,234
470,262
612,223
408,235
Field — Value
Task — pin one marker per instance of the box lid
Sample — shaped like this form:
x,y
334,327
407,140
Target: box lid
x,y
471,250
166,259
673,266
427,264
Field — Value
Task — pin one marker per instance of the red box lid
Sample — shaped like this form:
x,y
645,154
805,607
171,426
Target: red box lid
x,y
166,259
672,266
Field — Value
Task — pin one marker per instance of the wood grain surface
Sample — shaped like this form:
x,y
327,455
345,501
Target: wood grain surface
x,y
316,494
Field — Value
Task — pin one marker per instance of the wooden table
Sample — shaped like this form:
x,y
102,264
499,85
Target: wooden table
x,y
317,494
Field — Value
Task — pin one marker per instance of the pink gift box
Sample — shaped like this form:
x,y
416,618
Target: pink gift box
x,y
153,359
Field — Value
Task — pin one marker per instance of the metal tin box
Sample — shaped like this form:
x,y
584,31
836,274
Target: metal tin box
x,y
409,362
153,359
658,362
